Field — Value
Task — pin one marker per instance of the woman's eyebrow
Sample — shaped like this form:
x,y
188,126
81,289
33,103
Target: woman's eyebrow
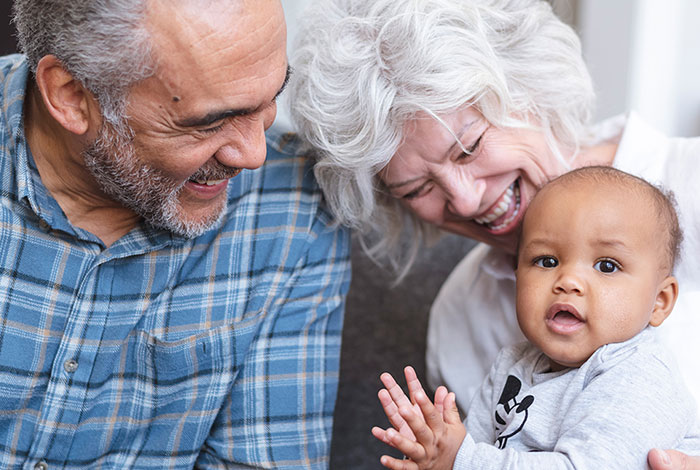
x,y
402,183
458,137
457,143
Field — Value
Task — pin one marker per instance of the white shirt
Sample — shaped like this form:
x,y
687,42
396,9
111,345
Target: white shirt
x,y
473,316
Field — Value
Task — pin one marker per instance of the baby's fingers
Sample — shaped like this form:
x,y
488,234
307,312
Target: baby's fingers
x,y
408,447
431,414
414,385
380,434
440,395
394,389
397,464
391,409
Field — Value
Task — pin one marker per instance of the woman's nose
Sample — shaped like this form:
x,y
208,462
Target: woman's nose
x,y
464,196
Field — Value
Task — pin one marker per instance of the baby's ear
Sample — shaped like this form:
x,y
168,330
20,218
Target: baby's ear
x,y
666,296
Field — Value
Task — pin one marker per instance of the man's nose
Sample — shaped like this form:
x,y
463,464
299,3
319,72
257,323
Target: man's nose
x,y
247,148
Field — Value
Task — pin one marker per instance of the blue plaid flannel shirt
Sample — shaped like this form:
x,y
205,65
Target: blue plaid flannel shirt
x,y
163,352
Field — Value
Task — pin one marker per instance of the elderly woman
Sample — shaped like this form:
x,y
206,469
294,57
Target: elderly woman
x,y
430,115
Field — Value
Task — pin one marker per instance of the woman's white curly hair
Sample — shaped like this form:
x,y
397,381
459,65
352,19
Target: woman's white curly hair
x,y
363,68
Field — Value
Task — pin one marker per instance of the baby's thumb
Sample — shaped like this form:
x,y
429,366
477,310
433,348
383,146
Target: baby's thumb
x,y
451,413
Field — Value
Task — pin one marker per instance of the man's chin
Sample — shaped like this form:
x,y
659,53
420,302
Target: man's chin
x,y
179,224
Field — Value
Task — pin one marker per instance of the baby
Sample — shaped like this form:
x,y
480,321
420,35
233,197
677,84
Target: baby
x,y
591,388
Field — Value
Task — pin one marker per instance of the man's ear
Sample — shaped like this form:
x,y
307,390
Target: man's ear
x,y
68,102
666,296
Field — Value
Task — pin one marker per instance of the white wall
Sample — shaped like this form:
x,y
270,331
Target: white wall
x,y
643,56
292,11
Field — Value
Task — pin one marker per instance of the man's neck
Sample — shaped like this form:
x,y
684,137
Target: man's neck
x,y
57,153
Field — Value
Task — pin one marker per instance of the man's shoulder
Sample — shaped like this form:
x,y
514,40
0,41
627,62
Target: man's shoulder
x,y
288,172
13,65
7,62
14,71
283,191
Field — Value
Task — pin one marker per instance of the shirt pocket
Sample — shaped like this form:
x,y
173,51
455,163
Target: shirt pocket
x,y
192,375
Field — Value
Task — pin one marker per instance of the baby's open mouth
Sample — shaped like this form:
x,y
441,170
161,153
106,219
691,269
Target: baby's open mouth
x,y
566,318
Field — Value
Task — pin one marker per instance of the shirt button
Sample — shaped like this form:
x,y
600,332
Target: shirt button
x,y
41,466
71,365
44,226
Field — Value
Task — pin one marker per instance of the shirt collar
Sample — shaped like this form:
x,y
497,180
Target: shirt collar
x,y
29,188
16,75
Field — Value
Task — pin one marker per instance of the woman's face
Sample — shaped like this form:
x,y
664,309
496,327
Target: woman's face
x,y
483,194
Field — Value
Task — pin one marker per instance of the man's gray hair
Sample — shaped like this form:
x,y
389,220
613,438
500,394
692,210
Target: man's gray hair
x,y
101,43
363,68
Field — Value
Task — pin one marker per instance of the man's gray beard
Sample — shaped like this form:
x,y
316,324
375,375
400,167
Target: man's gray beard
x,y
112,161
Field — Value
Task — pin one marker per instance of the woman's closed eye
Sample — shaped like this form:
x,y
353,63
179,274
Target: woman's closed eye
x,y
421,190
469,153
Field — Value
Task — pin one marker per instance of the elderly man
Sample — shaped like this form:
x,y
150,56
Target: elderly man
x,y
165,300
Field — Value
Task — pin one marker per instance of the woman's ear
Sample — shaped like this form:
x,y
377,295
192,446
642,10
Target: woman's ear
x,y
68,102
666,296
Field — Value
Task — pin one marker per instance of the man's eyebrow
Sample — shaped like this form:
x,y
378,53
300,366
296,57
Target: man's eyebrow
x,y
215,116
286,81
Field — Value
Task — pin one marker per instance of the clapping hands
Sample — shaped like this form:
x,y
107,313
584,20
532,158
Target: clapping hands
x,y
428,433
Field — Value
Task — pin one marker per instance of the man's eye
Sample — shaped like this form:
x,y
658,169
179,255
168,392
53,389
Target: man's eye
x,y
211,130
606,266
546,262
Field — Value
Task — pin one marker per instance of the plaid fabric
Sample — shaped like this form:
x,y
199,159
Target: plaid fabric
x,y
163,352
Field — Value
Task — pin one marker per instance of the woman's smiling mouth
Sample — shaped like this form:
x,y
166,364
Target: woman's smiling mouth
x,y
503,211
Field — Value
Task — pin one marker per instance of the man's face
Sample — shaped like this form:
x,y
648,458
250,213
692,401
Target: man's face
x,y
201,118
590,266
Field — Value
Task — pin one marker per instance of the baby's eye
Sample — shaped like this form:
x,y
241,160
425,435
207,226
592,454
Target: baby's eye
x,y
606,266
546,262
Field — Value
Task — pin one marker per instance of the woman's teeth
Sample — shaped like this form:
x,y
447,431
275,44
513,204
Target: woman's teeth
x,y
511,194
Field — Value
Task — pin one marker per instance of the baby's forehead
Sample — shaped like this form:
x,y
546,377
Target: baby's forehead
x,y
628,200
631,200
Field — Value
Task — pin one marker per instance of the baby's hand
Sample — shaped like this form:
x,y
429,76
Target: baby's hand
x,y
428,434
672,460
392,398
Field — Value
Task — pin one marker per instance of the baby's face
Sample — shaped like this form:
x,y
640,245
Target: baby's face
x,y
589,269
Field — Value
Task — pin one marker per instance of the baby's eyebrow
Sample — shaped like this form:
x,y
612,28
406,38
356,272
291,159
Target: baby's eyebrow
x,y
613,243
534,242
